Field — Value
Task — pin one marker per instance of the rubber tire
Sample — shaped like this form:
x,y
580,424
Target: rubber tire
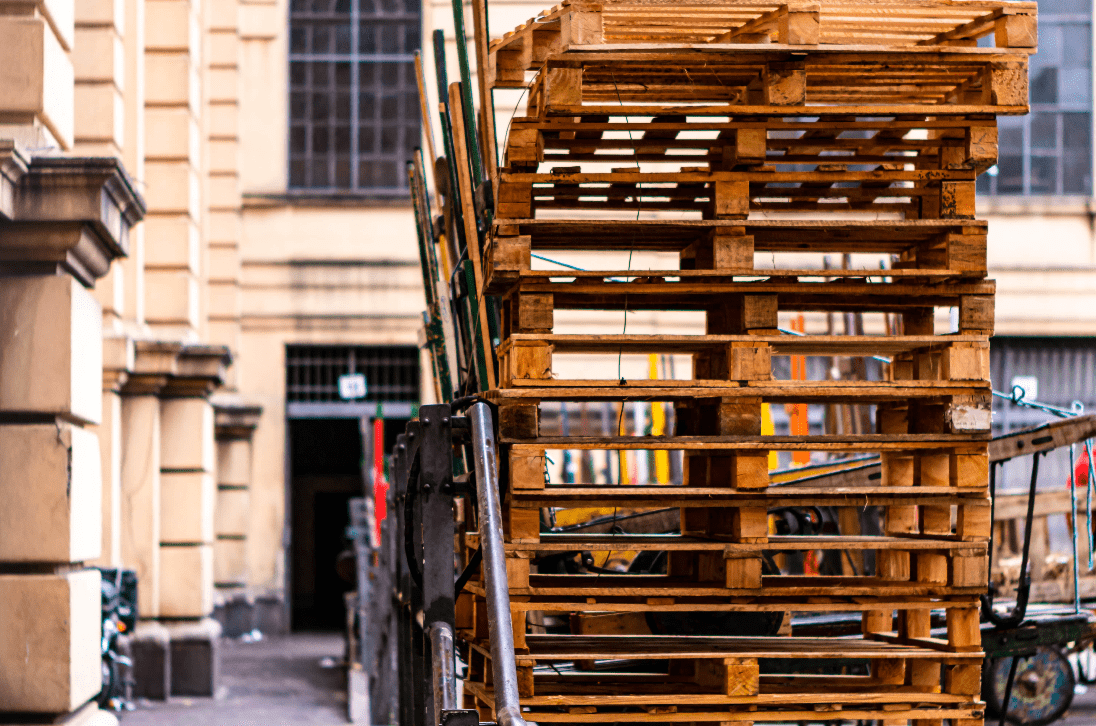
x,y
1055,659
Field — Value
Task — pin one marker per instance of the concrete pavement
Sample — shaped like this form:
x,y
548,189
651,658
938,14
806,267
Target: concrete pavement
x,y
287,681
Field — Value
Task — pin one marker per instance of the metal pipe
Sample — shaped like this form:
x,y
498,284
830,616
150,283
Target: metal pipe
x,y
1073,514
503,665
1091,482
443,659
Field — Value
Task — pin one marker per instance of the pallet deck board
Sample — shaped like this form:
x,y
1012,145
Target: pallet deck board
x,y
776,543
825,345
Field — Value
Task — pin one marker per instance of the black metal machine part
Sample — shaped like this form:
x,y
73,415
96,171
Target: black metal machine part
x,y
425,459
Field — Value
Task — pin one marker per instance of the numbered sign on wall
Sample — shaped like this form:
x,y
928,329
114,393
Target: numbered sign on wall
x,y
352,386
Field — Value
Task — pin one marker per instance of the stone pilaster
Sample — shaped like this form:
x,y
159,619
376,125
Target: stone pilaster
x,y
223,223
62,221
188,479
98,62
235,423
103,93
154,363
133,153
119,357
37,37
173,169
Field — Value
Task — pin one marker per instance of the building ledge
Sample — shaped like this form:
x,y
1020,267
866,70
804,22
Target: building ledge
x,y
234,417
72,213
1036,205
306,198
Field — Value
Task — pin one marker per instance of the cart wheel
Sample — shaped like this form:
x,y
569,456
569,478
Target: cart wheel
x,y
1041,691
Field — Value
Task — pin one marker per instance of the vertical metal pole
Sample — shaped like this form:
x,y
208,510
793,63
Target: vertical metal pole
x,y
403,618
443,653
1076,523
503,665
383,681
442,79
420,655
1088,516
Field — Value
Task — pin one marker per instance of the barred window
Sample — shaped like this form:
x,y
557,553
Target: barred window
x,y
1049,151
353,100
312,372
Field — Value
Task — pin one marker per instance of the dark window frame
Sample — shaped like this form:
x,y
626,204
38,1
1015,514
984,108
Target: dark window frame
x,y
312,372
1028,164
354,114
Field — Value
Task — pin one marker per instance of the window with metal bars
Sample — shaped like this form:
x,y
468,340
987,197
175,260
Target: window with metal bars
x,y
312,372
1049,151
353,100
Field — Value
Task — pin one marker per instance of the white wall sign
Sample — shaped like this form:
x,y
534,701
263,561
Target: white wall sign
x,y
352,386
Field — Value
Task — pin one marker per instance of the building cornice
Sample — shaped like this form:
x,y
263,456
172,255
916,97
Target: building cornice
x,y
199,372
119,359
67,213
235,418
154,363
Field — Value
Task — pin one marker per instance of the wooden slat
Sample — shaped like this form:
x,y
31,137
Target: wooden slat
x,y
827,345
552,542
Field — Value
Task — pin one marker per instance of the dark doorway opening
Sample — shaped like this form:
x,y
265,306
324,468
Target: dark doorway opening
x,y
326,471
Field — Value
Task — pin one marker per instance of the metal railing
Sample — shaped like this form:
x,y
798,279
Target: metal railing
x,y
503,664
407,594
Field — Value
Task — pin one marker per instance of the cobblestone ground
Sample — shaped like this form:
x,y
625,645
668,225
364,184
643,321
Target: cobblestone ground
x,y
276,682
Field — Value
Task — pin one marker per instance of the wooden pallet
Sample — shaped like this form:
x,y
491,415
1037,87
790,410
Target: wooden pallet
x,y
913,141
646,54
626,193
927,250
895,23
737,366
755,678
755,82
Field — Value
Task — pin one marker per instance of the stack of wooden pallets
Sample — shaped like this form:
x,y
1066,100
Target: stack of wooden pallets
x,y
719,130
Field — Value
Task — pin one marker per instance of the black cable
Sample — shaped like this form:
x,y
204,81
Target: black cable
x,y
610,519
1009,684
466,575
413,566
1023,589
987,599
855,569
